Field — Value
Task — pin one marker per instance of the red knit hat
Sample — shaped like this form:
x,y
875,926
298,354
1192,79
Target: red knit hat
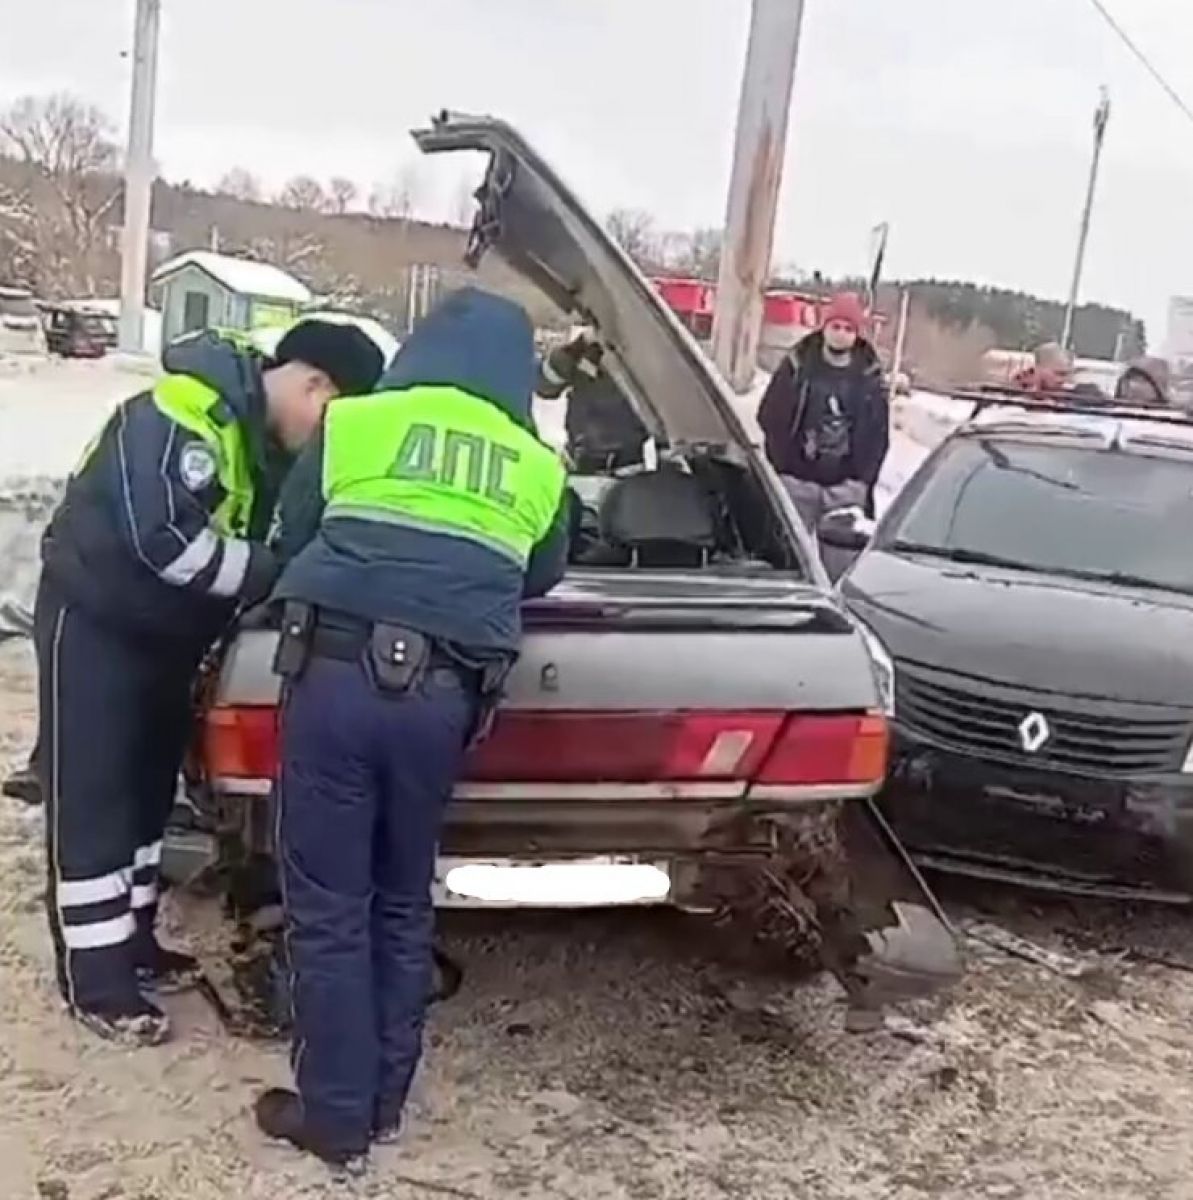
x,y
847,308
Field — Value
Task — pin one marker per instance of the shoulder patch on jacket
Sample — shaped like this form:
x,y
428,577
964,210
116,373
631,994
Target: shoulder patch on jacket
x,y
196,466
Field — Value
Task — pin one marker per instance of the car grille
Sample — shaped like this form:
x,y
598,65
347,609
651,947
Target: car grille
x,y
1082,735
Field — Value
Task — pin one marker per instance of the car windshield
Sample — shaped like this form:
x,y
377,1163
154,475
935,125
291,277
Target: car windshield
x,y
15,305
1067,510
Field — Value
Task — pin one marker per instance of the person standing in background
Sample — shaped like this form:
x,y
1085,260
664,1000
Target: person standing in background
x,y
825,415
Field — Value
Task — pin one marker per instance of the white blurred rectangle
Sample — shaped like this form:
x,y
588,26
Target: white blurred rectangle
x,y
587,883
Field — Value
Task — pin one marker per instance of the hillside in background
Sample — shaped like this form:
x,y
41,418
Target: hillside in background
x,y
60,216
1021,322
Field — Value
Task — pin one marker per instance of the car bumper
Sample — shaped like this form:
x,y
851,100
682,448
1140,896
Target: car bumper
x,y
1112,836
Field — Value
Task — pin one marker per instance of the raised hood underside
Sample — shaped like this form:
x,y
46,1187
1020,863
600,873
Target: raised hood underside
x,y
536,223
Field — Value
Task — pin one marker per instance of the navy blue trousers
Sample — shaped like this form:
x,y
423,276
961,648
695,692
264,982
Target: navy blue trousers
x,y
365,776
114,718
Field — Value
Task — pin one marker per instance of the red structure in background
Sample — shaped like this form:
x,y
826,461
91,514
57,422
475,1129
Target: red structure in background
x,y
786,315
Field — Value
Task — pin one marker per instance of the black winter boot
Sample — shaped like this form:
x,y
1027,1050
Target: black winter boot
x,y
134,1023
279,1115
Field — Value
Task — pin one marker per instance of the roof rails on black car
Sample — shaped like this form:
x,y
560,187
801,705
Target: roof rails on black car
x,y
998,395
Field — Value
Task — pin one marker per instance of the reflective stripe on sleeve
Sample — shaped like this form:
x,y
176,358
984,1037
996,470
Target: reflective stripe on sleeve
x,y
74,893
192,560
550,374
143,895
100,933
148,856
229,579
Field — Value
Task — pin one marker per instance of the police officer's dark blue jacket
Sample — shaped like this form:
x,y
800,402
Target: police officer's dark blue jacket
x,y
451,588
149,538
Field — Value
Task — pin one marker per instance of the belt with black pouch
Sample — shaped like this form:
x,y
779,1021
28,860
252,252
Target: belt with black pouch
x,y
396,657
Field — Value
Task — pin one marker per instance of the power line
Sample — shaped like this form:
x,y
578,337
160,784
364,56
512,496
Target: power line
x,y
1151,69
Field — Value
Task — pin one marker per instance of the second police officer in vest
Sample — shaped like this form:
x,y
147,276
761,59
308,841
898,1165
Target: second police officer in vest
x,y
158,538
439,510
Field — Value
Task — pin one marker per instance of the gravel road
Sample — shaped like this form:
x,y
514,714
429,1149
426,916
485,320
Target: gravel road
x,y
598,1057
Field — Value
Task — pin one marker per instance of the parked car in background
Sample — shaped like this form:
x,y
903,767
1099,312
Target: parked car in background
x,y
694,722
20,325
74,332
1033,585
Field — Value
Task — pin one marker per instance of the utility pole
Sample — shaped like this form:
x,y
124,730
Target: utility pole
x,y
754,187
901,334
138,177
1101,118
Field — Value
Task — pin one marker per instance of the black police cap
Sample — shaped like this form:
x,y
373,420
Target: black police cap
x,y
344,353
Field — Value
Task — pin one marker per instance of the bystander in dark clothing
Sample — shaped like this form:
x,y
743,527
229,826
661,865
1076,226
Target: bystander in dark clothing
x,y
826,415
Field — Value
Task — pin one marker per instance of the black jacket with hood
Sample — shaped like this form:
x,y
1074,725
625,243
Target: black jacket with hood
x,y
792,405
449,588
131,542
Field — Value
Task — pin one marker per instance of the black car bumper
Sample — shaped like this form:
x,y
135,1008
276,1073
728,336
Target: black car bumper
x,y
1114,836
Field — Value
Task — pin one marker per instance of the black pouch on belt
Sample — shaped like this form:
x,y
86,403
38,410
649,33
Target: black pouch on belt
x,y
294,644
398,657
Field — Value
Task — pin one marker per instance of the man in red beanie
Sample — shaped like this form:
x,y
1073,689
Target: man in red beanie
x,y
825,415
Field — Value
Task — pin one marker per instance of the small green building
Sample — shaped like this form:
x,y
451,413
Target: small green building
x,y
205,290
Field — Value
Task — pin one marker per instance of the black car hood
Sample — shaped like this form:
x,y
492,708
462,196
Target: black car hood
x,y
1059,635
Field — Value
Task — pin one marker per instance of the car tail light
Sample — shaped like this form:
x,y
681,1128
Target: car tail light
x,y
573,747
241,743
768,748
828,749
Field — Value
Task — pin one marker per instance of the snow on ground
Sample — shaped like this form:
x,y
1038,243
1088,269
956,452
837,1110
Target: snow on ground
x,y
600,1056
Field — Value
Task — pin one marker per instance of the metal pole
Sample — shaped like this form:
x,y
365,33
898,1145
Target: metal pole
x,y
754,187
138,177
1101,117
901,334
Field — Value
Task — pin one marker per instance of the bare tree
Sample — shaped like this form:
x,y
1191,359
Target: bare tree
x,y
697,254
20,244
305,194
302,253
635,231
69,157
241,184
342,194
399,196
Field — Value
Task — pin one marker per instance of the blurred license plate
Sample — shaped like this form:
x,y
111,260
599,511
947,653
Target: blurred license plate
x,y
587,883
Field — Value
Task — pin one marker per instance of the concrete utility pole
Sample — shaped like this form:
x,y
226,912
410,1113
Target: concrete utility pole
x,y
754,188
1101,118
138,177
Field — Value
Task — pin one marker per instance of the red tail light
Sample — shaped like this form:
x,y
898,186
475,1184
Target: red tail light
x,y
594,747
818,749
574,747
241,743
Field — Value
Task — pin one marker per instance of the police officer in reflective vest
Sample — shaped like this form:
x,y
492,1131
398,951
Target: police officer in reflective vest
x,y
158,538
439,510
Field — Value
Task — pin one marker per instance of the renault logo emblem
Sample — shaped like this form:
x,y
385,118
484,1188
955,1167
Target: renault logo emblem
x,y
1033,732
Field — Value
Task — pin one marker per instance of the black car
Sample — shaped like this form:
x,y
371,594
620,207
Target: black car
x,y
1033,585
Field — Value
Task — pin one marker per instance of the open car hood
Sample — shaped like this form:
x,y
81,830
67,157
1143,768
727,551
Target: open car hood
x,y
536,223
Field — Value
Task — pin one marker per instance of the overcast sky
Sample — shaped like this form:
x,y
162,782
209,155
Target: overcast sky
x,y
965,123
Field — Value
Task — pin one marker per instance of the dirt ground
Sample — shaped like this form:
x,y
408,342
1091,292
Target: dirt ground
x,y
599,1057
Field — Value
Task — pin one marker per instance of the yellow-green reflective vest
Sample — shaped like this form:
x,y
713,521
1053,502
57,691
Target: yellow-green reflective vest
x,y
197,408
440,460
200,410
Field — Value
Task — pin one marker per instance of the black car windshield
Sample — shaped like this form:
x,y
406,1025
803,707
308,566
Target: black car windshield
x,y
1064,510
